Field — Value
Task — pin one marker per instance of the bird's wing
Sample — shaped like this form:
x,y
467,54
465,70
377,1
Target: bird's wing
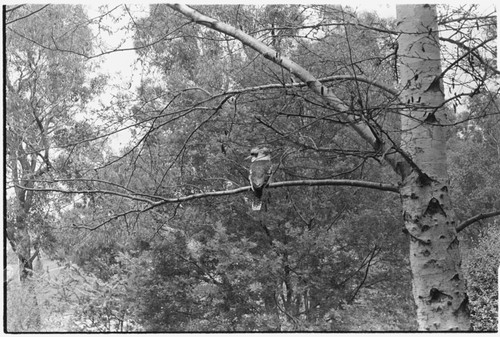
x,y
259,173
269,173
251,179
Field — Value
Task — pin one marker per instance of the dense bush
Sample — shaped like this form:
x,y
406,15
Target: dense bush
x,y
481,263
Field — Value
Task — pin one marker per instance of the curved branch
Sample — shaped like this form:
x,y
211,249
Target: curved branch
x,y
469,52
60,190
476,218
472,51
23,17
337,182
322,80
320,182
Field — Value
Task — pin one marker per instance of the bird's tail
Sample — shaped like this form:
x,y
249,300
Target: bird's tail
x,y
257,199
256,204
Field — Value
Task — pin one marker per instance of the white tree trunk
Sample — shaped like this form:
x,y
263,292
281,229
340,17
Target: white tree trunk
x,y
438,284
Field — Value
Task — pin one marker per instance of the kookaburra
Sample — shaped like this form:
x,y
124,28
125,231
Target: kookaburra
x,y
260,172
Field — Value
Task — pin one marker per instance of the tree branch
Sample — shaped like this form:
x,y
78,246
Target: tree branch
x,y
23,17
323,80
472,51
163,200
59,190
476,218
469,52
337,182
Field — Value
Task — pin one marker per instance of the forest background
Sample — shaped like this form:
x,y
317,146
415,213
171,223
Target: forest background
x,y
98,222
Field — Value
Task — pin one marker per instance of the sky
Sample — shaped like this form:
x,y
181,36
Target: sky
x,y
125,73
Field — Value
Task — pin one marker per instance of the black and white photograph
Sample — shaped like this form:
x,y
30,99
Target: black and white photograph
x,y
234,168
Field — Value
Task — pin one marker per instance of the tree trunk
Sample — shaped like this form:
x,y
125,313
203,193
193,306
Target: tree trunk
x,y
18,235
438,284
27,302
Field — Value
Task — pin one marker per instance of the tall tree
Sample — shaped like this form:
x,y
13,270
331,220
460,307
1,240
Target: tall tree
x,y
438,282
439,288
332,120
45,89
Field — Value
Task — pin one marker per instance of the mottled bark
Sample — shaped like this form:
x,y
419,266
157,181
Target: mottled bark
x,y
438,284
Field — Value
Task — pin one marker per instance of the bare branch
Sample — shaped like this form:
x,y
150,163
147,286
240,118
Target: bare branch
x,y
337,182
59,190
469,51
476,218
472,51
189,137
163,200
322,80
26,16
7,10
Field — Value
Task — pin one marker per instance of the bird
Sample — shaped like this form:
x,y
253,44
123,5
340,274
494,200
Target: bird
x,y
260,173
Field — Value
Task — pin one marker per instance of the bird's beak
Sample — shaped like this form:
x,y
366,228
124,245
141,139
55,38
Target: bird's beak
x,y
249,157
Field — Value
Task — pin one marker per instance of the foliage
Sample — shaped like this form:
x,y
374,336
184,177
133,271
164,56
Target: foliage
x,y
375,310
22,315
481,261
45,90
71,299
475,175
475,160
108,306
317,259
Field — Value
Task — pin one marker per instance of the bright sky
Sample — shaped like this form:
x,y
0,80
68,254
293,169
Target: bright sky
x,y
120,65
125,73
384,10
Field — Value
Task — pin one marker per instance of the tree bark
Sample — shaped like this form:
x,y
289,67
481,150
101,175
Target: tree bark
x,y
438,283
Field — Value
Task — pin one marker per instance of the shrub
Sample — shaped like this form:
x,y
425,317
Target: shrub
x,y
481,263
